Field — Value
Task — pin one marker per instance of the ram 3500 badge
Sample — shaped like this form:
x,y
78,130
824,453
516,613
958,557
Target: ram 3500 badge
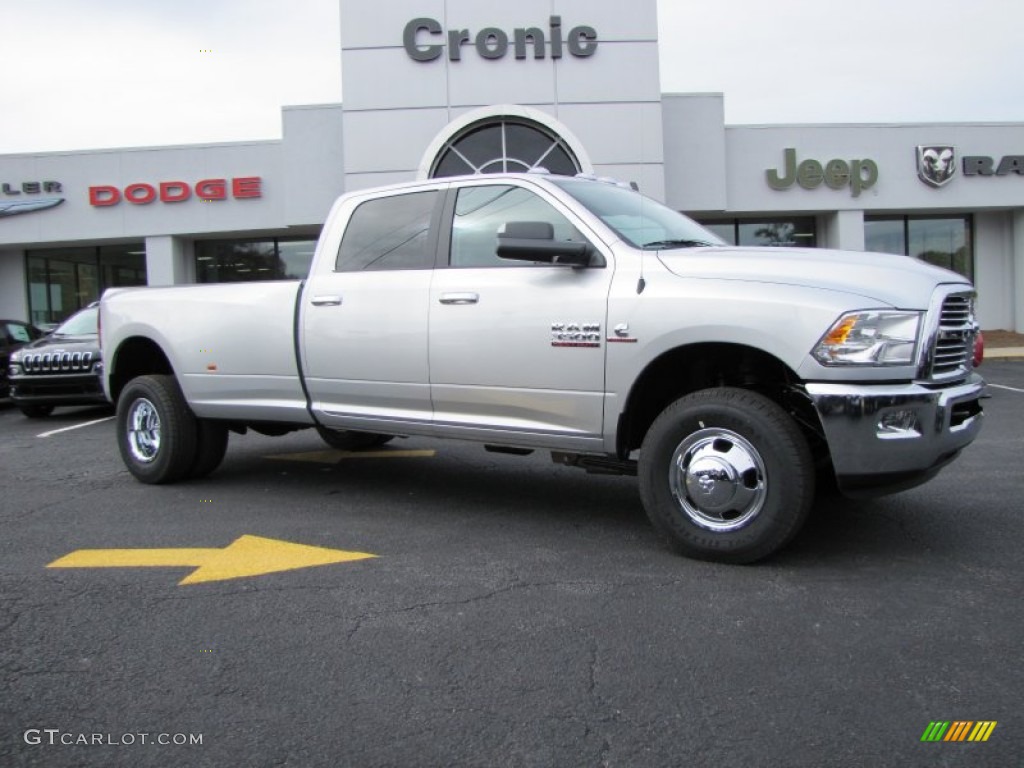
x,y
573,315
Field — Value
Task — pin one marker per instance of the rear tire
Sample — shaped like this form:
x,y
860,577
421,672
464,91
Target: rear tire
x,y
726,475
211,445
345,440
157,433
36,411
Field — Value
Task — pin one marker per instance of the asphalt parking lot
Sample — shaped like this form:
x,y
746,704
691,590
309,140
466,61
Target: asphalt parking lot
x,y
516,613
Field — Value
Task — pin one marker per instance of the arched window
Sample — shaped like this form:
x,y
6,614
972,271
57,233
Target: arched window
x,y
504,145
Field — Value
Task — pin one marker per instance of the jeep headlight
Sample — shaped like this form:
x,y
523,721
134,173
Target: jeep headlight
x,y
870,337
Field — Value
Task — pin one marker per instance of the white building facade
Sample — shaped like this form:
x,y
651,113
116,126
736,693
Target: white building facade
x,y
441,87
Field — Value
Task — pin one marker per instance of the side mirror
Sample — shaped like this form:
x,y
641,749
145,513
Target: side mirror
x,y
535,241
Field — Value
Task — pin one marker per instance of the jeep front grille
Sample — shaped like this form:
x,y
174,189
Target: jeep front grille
x,y
57,362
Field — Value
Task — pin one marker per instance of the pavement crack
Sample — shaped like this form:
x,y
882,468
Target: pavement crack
x,y
11,623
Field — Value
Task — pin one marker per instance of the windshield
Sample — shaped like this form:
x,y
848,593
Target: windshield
x,y
80,324
638,220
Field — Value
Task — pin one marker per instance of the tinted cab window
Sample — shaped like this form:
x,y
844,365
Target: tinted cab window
x,y
480,213
390,233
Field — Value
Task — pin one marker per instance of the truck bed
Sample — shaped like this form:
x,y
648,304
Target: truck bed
x,y
232,345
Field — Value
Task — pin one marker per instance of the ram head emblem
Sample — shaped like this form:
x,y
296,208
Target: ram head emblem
x,y
936,164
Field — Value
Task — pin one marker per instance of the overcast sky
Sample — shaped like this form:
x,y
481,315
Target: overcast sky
x,y
115,73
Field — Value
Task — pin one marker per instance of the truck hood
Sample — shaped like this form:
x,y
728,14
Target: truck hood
x,y
886,279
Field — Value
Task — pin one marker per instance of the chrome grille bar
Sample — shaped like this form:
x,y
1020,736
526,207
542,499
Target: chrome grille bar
x,y
956,312
949,342
57,362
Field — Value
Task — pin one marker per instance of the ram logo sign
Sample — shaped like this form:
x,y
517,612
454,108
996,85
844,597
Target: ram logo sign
x,y
936,165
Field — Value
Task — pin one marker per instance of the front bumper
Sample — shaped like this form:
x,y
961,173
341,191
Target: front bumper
x,y
57,389
889,437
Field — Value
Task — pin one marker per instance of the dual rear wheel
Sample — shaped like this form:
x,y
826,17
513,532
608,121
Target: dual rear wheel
x,y
162,441
159,437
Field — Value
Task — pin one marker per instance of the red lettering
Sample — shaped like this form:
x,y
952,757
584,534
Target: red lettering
x,y
174,191
104,195
246,186
242,187
212,189
140,194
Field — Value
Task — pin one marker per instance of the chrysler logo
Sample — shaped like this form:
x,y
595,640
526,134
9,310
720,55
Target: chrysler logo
x,y
936,164
14,207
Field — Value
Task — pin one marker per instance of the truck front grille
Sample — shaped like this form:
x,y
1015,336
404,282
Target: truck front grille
x,y
57,362
951,354
951,351
956,311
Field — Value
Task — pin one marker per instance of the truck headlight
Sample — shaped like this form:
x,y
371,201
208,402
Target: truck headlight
x,y
870,337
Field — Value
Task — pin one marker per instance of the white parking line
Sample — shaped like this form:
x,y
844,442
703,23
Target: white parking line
x,y
76,426
1003,386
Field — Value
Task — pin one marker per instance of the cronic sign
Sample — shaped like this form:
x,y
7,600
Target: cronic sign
x,y
425,39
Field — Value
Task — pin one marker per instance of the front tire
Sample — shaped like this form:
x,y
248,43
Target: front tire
x,y
36,411
726,475
157,433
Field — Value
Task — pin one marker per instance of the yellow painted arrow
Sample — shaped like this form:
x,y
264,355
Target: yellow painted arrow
x,y
245,556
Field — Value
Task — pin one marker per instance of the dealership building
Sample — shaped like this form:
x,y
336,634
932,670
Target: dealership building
x,y
444,87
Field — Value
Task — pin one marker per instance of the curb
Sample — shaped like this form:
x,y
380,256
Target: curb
x,y
1004,353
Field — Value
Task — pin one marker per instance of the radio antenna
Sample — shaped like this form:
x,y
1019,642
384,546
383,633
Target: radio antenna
x,y
641,283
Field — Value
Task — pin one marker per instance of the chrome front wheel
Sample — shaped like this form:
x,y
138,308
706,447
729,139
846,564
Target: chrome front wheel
x,y
718,478
725,474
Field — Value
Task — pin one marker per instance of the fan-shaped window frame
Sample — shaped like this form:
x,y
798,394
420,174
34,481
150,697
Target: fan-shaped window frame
x,y
503,115
505,154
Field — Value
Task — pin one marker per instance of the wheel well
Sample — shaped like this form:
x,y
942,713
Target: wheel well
x,y
137,356
688,369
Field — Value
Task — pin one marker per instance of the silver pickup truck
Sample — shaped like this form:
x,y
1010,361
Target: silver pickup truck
x,y
577,316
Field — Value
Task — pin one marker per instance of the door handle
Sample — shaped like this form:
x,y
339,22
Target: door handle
x,y
459,298
325,301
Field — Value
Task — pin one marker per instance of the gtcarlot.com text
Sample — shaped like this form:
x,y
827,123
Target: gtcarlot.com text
x,y
57,737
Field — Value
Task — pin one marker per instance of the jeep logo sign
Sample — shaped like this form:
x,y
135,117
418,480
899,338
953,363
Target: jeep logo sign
x,y
858,174
422,39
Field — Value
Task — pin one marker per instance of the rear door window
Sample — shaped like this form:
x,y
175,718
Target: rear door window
x,y
389,233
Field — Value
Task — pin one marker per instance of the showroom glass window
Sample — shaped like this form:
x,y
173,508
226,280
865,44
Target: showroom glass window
x,y
941,240
481,212
796,232
505,145
237,261
63,280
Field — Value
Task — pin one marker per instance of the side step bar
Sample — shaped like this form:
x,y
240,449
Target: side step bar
x,y
596,465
